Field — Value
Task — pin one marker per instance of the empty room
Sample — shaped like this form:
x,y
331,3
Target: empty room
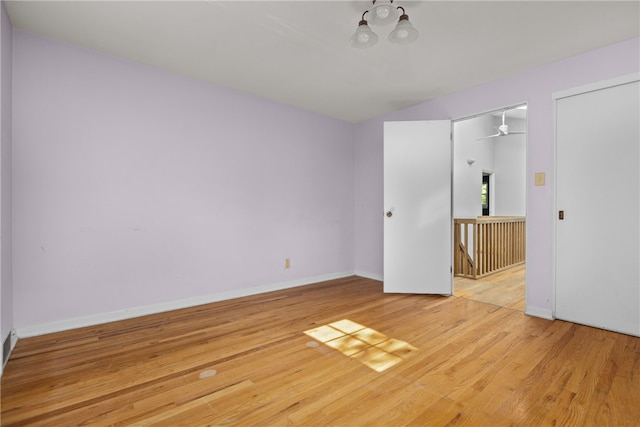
x,y
262,213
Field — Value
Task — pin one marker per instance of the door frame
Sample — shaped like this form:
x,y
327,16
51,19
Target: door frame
x,y
492,177
556,96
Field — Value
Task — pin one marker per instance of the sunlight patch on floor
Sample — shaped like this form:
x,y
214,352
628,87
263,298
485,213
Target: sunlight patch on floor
x,y
370,347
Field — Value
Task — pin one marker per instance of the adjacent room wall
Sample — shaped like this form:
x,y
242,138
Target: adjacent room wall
x,y
510,164
534,87
467,178
6,282
135,187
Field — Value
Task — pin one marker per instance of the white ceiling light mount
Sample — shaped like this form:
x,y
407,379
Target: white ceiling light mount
x,y
383,12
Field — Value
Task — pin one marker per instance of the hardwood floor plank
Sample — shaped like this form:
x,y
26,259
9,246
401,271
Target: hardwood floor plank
x,y
248,362
505,288
187,411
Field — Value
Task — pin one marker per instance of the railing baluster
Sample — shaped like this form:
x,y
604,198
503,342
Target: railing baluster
x,y
496,243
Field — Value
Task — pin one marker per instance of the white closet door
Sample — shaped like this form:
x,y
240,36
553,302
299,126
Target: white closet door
x,y
598,192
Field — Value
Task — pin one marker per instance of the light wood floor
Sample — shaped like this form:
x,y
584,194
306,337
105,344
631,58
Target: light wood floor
x,y
429,361
505,288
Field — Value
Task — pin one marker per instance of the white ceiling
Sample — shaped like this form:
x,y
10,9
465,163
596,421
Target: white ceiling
x,y
298,52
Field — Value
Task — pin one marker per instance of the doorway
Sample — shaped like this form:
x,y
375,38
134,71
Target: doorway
x,y
485,194
489,199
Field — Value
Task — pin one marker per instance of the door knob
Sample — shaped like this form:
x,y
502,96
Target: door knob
x,y
389,214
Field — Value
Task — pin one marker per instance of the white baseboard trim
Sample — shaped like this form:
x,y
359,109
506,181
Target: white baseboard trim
x,y
371,276
114,316
544,313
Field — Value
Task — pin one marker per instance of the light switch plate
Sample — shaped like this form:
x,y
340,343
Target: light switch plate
x,y
539,179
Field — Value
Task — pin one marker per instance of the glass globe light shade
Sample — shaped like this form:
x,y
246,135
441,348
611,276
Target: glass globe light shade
x,y
363,38
404,32
382,13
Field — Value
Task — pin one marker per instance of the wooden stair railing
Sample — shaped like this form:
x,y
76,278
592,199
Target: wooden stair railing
x,y
487,244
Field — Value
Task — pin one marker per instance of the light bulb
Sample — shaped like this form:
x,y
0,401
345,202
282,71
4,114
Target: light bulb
x,y
402,34
383,12
364,37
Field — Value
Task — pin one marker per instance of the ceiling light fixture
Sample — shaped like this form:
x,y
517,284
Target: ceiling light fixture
x,y
363,37
383,12
404,32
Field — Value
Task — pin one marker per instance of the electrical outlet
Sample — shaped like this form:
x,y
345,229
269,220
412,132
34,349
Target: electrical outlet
x,y
287,263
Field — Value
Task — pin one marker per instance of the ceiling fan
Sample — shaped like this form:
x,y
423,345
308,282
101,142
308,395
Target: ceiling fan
x,y
503,129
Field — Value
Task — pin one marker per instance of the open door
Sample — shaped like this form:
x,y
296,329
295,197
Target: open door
x,y
417,199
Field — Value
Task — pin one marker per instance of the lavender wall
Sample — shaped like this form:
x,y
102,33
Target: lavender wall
x,y
534,87
6,282
136,187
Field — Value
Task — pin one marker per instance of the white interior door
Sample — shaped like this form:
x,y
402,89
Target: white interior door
x,y
417,198
598,192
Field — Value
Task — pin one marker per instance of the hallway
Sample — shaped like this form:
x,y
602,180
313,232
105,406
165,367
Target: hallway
x,y
506,288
